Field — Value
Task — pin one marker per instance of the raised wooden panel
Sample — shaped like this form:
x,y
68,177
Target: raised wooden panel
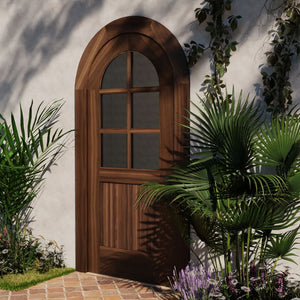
x,y
123,225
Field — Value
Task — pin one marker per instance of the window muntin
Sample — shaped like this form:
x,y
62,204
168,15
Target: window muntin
x,y
131,112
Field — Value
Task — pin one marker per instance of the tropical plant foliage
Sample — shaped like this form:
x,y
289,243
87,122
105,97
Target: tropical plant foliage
x,y
28,149
238,185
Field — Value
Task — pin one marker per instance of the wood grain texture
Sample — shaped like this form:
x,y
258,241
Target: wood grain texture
x,y
81,189
109,233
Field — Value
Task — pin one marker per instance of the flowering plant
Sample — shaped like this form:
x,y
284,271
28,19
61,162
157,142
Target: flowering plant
x,y
20,252
195,283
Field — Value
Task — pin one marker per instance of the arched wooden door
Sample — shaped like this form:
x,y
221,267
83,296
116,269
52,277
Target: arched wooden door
x,y
131,89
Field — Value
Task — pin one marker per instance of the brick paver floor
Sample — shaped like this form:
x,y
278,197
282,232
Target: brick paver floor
x,y
82,286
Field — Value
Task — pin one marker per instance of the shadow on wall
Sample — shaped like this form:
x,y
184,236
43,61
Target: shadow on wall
x,y
33,36
36,33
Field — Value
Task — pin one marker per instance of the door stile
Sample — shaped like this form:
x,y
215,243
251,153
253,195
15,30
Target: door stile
x,y
93,183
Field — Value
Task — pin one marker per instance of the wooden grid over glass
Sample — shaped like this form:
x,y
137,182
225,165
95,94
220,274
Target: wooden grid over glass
x,y
136,135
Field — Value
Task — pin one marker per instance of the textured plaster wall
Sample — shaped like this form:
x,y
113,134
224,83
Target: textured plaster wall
x,y
42,43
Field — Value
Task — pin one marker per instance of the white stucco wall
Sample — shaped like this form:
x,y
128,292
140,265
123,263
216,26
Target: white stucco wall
x,y
42,43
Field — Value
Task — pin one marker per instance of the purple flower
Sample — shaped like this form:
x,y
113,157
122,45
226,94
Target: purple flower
x,y
193,281
280,284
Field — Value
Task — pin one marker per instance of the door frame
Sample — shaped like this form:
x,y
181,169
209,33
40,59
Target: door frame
x,y
181,90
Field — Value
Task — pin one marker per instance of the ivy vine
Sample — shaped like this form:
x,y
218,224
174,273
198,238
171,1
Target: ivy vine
x,y
285,45
221,44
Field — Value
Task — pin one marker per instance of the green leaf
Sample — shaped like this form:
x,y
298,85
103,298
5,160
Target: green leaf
x,y
281,246
294,183
201,15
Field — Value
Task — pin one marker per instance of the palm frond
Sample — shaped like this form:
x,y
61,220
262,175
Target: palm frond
x,y
27,150
278,144
281,246
225,131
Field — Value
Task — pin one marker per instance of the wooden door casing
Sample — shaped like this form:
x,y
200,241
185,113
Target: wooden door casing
x,y
104,194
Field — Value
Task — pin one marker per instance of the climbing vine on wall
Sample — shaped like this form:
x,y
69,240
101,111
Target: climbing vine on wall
x,y
221,44
285,45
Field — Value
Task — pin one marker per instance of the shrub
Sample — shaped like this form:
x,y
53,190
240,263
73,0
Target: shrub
x,y
23,252
239,187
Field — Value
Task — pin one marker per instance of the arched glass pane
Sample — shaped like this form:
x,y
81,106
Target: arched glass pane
x,y
145,151
115,73
113,111
145,110
143,71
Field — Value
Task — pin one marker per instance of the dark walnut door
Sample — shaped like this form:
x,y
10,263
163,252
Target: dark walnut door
x,y
130,140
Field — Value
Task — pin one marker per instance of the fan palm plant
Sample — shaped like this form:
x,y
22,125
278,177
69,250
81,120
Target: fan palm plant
x,y
239,184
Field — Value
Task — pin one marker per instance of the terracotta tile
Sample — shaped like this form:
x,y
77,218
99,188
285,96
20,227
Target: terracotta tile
x,y
92,293
73,294
127,291
4,292
107,286
86,276
72,283
130,296
73,289
147,295
81,286
105,281
112,297
18,297
90,288
71,280
56,295
88,282
55,284
37,291
88,279
110,292
21,292
124,284
55,290
37,296
68,279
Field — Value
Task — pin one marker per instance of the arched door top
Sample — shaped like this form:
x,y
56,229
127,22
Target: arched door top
x,y
135,25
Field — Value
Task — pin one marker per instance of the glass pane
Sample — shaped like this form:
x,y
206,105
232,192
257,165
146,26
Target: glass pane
x,y
145,110
115,74
143,71
113,150
113,111
145,151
